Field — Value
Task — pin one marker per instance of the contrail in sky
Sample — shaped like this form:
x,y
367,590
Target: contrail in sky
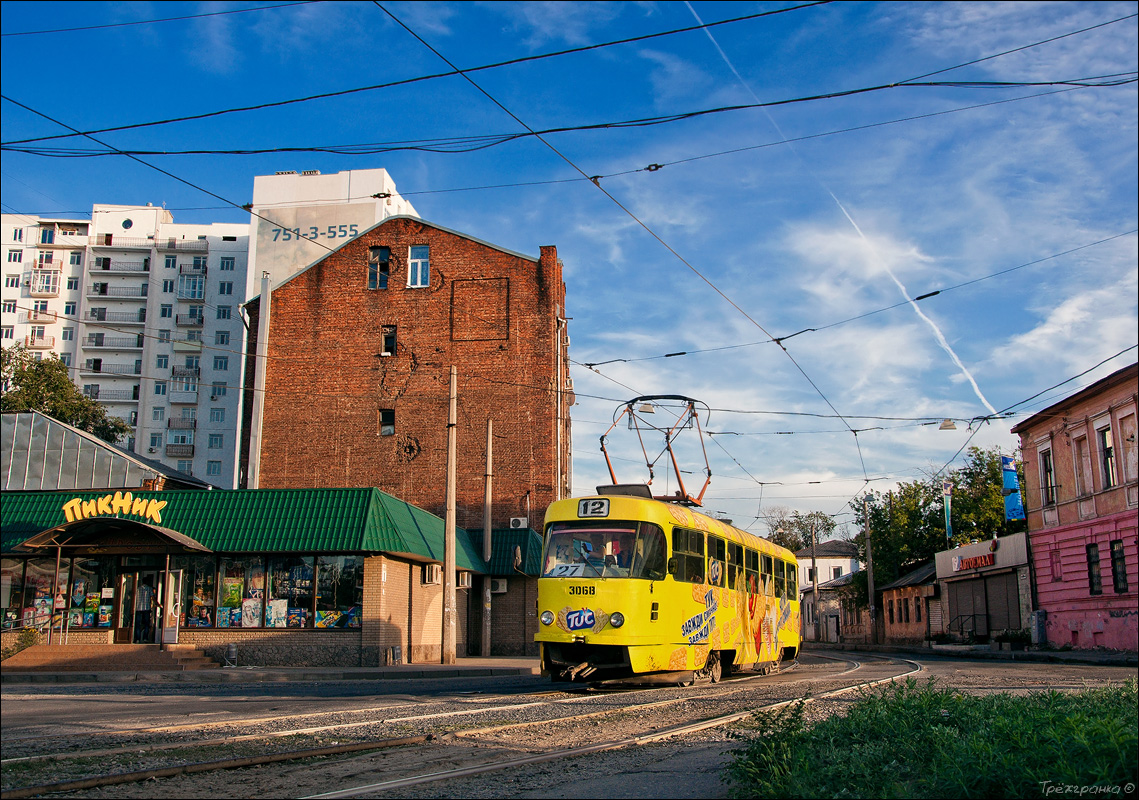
x,y
941,340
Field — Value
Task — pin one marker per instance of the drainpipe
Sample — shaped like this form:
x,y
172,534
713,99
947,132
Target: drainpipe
x,y
259,368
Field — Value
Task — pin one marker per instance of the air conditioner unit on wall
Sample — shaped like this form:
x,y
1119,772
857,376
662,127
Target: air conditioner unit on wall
x,y
498,585
463,581
519,522
432,573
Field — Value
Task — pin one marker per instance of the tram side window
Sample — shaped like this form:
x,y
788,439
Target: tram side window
x,y
792,575
767,574
735,565
780,584
751,570
717,561
688,555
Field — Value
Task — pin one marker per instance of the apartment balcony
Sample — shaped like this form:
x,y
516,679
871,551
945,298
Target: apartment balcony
x,y
120,242
179,451
187,245
39,342
191,269
97,366
187,321
126,292
118,317
114,395
44,282
67,241
186,372
112,265
40,317
192,296
97,340
183,398
182,424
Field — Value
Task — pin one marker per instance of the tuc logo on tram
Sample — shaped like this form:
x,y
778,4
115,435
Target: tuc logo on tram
x,y
577,620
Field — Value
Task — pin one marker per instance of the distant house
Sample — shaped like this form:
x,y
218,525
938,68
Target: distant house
x,y
1082,502
835,558
905,605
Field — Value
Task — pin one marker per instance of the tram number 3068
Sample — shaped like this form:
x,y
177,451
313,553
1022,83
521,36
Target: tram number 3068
x,y
582,589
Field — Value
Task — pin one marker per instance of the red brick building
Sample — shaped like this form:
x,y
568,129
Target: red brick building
x,y
1082,502
360,346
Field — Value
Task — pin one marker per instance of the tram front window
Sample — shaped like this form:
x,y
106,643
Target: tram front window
x,y
636,551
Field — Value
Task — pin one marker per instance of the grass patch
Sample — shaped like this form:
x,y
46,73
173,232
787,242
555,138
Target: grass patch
x,y
906,740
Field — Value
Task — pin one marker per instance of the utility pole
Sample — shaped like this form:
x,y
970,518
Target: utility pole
x,y
870,574
815,582
449,532
484,647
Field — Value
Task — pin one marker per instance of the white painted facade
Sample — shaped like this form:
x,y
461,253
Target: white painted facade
x,y
297,218
146,313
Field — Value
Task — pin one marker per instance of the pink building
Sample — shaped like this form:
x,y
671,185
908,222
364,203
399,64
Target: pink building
x,y
1082,500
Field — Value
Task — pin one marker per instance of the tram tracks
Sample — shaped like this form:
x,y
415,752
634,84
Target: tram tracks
x,y
579,720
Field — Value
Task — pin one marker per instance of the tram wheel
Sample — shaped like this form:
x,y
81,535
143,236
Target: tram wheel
x,y
714,668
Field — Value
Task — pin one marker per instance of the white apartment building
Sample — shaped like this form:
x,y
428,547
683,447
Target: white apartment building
x,y
146,313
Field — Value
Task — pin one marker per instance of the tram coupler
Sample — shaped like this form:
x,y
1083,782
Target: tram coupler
x,y
582,670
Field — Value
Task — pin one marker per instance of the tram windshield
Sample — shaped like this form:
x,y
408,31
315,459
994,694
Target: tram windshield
x,y
617,550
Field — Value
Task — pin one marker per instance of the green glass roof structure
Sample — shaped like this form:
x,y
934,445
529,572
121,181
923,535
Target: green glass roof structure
x,y
363,520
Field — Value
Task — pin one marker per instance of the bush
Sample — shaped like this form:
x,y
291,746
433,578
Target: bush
x,y
905,740
28,637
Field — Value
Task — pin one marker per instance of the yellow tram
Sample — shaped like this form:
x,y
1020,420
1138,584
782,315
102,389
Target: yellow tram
x,y
632,587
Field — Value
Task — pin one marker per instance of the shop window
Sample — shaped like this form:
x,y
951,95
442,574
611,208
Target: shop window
x,y
242,596
1118,567
199,589
290,592
688,555
12,592
339,591
1095,584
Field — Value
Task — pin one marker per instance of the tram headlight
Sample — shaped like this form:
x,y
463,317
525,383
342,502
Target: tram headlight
x,y
616,619
547,618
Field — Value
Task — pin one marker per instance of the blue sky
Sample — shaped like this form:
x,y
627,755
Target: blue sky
x,y
759,222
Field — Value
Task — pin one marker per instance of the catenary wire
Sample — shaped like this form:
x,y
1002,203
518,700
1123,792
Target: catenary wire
x,y
153,21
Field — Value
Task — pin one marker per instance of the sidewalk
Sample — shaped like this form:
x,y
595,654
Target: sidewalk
x,y
463,668
1104,658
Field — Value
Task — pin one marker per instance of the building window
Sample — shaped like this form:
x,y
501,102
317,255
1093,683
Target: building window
x,y
339,591
171,262
917,609
419,266
166,311
73,282
890,610
69,309
1106,457
164,335
388,340
221,363
7,332
379,267
215,441
1118,567
155,441
906,610
810,575
168,286
213,468
17,234
76,259
160,387
221,337
65,359
11,281
1047,477
201,261
217,415
836,572
162,361
1055,564
8,307
224,312
191,287
387,422
47,236
15,256
227,263
158,413
186,467
67,334
218,389
225,287
1095,585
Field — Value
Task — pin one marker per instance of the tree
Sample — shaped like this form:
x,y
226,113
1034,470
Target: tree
x,y
792,530
907,525
43,385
